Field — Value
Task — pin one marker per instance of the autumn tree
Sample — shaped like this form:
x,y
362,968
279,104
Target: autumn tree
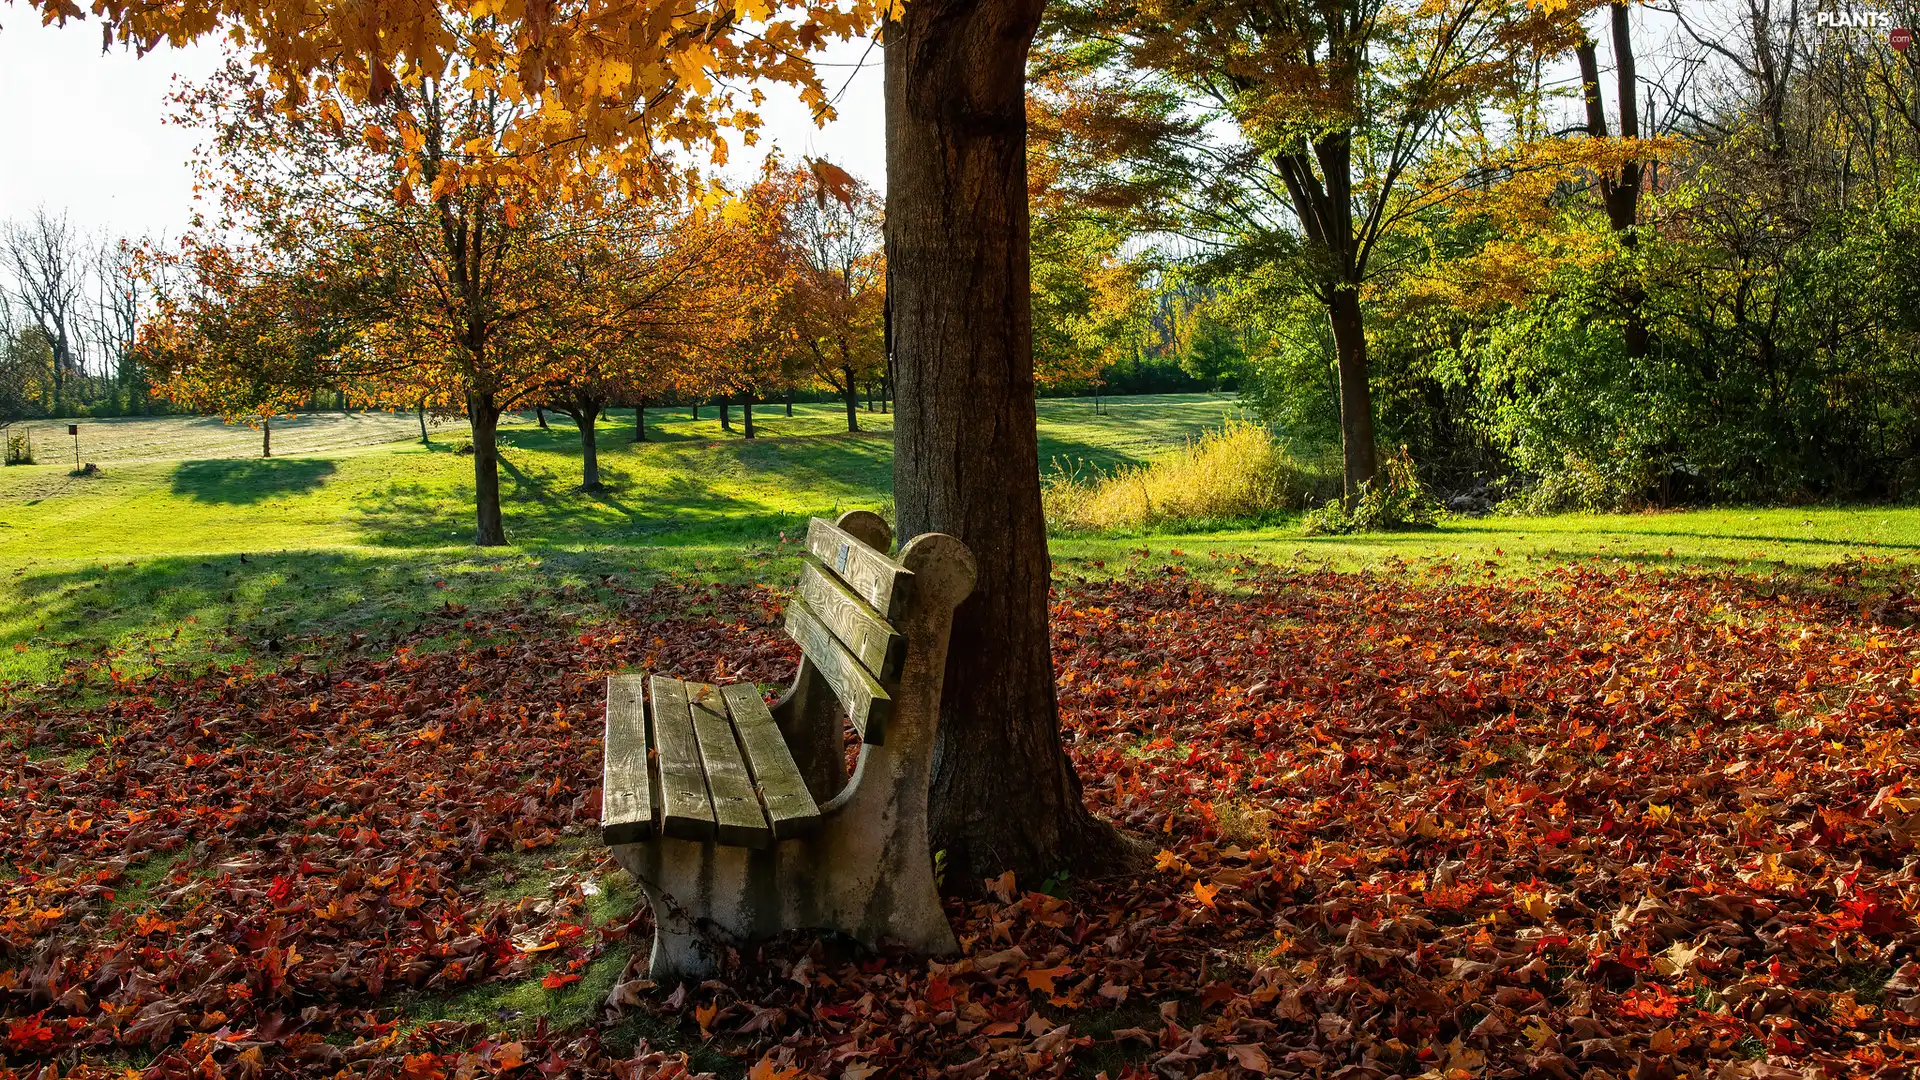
x,y
231,337
598,91
837,300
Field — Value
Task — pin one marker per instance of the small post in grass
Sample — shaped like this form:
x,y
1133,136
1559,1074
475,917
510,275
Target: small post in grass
x,y
74,430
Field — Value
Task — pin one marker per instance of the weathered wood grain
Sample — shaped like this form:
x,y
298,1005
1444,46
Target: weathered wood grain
x,y
627,805
877,579
859,627
736,809
686,810
790,808
867,702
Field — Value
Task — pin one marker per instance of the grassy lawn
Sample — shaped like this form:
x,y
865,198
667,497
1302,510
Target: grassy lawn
x,y
180,548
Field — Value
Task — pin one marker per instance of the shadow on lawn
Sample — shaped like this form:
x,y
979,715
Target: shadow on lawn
x,y
249,480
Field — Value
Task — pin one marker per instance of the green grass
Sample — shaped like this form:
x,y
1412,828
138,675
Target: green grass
x,y
219,558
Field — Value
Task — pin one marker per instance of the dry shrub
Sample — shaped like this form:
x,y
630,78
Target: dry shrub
x,y
1236,473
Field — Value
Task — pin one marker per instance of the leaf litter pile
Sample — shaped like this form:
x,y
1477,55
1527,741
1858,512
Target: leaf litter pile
x,y
1594,823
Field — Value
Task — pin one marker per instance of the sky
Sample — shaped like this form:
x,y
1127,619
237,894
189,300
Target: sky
x,y
87,133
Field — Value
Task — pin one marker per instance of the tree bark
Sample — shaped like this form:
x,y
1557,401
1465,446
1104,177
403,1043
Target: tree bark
x,y
852,395
540,415
485,418
585,419
1004,795
266,437
746,415
696,410
425,439
640,420
726,414
789,402
1360,458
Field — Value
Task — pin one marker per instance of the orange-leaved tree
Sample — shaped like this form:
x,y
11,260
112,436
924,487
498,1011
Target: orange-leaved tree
x,y
837,304
227,337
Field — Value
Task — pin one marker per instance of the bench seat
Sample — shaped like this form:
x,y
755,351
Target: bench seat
x,y
698,762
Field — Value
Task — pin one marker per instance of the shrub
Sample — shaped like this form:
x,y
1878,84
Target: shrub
x,y
1393,499
19,449
1233,474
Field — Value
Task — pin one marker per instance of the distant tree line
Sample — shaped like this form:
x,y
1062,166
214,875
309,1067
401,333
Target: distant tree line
x,y
70,308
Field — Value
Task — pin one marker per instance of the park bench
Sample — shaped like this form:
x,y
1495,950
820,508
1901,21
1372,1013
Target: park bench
x,y
739,820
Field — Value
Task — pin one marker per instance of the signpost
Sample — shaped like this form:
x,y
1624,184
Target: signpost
x,y
74,430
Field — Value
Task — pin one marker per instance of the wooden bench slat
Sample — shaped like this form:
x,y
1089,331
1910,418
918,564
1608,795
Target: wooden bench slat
x,y
627,805
687,812
736,809
871,575
790,808
867,703
858,626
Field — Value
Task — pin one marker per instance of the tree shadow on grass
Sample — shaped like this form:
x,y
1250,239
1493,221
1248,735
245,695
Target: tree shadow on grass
x,y
249,480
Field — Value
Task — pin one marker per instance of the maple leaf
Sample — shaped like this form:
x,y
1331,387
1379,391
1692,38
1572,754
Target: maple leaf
x,y
1250,1057
765,1069
1041,979
556,980
704,1015
1205,892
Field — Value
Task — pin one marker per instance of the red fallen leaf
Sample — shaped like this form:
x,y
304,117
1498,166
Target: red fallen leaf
x,y
556,980
422,1067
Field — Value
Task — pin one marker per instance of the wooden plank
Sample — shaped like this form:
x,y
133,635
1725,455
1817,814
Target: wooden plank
x,y
686,811
867,702
736,809
627,808
790,808
877,579
860,628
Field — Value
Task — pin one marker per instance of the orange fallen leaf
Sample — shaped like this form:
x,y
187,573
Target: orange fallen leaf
x,y
1041,979
1205,892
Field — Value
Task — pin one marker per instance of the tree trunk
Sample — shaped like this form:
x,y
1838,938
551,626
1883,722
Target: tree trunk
x,y
746,415
425,440
485,417
726,414
852,395
789,402
266,437
640,420
589,449
540,415
966,462
696,410
1356,398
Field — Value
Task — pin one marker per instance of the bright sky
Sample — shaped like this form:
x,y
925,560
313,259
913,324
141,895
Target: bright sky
x,y
87,133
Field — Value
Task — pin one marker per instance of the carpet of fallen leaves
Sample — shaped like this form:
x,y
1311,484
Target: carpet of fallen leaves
x,y
1593,823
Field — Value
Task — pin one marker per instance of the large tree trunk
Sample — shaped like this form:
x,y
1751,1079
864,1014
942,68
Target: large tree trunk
x,y
966,459
640,420
1360,456
540,417
746,415
1619,189
485,417
726,414
852,395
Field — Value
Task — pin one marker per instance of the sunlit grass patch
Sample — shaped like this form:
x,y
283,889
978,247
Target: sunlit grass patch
x,y
1236,473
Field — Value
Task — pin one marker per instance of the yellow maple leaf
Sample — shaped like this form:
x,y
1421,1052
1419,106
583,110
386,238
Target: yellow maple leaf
x,y
1205,892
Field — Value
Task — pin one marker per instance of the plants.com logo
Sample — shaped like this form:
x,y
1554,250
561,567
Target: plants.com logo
x,y
1848,20
1855,20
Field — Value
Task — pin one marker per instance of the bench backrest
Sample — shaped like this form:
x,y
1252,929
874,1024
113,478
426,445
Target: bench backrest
x,y
845,617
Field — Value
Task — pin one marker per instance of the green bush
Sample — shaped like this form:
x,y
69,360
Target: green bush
x,y
1394,499
1236,473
